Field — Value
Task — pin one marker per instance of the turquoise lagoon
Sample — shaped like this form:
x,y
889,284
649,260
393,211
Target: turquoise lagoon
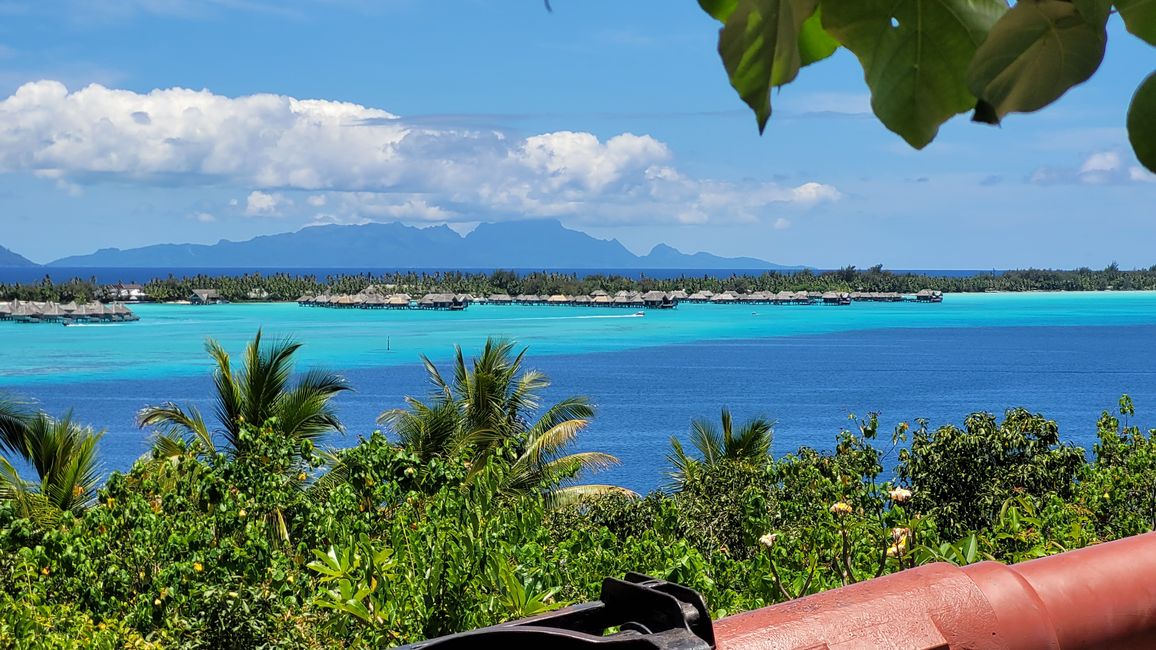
x,y
1069,355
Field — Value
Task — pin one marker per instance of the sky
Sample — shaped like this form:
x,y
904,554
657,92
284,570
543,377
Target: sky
x,y
132,122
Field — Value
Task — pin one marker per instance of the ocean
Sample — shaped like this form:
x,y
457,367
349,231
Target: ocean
x,y
1067,355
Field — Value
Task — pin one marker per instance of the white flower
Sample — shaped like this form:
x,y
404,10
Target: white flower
x,y
899,495
768,540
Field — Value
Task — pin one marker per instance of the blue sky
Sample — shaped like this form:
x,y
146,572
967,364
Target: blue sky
x,y
130,122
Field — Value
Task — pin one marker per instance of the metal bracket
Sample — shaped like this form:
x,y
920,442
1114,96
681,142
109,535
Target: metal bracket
x,y
649,614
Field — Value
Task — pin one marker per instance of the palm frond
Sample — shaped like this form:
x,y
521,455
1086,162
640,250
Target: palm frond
x,y
14,418
172,421
707,440
575,494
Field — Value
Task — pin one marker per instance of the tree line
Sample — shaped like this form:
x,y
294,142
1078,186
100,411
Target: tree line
x,y
289,287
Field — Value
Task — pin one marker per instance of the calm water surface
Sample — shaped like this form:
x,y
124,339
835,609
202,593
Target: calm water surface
x,y
1068,355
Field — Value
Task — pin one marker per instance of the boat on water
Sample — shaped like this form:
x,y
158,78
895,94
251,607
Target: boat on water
x,y
639,313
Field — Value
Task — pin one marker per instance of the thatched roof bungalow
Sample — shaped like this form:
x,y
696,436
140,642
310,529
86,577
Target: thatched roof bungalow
x,y
501,298
559,299
398,301
205,297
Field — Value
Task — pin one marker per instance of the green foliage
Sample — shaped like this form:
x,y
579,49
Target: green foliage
x,y
552,282
1142,118
751,445
965,475
486,410
270,542
257,393
1035,53
926,61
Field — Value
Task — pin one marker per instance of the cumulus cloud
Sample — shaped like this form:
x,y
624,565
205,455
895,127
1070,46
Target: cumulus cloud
x,y
1099,168
782,223
264,204
203,217
358,161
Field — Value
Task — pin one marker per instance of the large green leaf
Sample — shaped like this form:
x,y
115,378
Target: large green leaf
x,y
1142,123
718,9
1094,11
1033,55
815,44
915,55
1139,17
759,45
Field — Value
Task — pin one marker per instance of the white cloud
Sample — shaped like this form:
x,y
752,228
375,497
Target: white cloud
x,y
373,163
203,217
1098,168
1141,175
264,204
782,224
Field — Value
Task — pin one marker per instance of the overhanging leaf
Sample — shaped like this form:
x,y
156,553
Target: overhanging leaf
x,y
815,44
718,9
1033,55
1139,17
759,46
915,55
1094,11
1142,123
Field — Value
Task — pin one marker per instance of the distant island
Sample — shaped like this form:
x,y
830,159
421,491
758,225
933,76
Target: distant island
x,y
538,244
10,259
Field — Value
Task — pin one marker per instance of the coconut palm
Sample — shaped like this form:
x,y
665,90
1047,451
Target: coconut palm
x,y
14,419
63,454
487,408
257,393
750,444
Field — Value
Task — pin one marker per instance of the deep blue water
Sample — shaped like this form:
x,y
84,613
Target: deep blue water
x,y
807,383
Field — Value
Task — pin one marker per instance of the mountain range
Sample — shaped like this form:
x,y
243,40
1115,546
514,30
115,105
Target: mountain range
x,y
538,244
10,259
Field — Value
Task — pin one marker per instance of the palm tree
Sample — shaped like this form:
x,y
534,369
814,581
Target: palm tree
x,y
487,408
63,454
257,393
14,419
751,444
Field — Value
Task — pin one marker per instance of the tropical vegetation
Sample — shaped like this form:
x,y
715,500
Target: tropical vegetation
x,y
288,287
248,533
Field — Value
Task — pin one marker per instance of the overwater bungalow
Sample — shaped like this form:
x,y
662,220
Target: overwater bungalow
x,y
929,295
559,299
678,294
836,298
583,300
205,297
501,298
398,301
603,300
724,298
658,300
51,312
698,296
597,293
257,294
528,299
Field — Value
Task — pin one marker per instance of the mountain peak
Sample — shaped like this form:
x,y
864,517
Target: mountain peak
x,y
11,259
530,244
